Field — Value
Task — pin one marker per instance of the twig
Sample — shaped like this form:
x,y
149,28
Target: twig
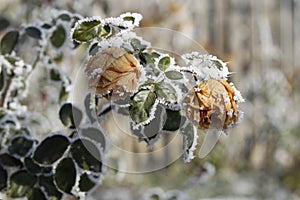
x,y
5,92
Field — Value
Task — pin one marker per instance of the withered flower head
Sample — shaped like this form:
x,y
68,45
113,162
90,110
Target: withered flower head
x,y
212,105
113,73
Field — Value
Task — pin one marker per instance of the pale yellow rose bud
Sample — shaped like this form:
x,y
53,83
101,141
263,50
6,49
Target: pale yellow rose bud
x,y
113,73
212,105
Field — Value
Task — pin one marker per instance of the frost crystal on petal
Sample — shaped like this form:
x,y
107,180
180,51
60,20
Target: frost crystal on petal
x,y
237,94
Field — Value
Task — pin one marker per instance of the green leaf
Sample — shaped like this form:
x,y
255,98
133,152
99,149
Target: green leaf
x,y
63,94
34,32
9,161
55,75
218,64
93,49
9,41
3,178
70,115
90,109
12,59
64,17
34,168
146,59
58,36
96,135
75,44
174,120
150,132
2,114
4,23
188,131
21,183
85,183
154,55
142,104
47,183
129,18
105,31
36,194
174,75
86,31
164,63
51,149
189,141
20,146
46,26
87,155
166,92
65,175
137,45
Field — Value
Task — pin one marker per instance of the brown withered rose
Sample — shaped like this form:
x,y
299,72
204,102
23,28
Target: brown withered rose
x,y
113,73
211,105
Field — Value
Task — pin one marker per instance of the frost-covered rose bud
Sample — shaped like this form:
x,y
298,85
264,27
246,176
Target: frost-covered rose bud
x,y
113,73
213,105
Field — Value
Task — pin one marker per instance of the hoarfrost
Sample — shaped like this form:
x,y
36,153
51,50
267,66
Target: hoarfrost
x,y
237,94
205,66
136,126
189,152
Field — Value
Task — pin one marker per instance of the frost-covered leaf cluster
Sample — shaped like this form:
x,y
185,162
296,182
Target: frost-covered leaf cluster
x,y
54,164
57,165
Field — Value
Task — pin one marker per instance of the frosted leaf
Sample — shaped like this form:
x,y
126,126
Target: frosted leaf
x,y
122,39
126,21
166,93
164,61
137,18
143,107
85,30
174,75
206,66
151,132
190,141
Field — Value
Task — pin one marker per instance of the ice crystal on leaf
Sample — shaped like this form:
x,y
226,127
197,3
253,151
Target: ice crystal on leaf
x,y
206,66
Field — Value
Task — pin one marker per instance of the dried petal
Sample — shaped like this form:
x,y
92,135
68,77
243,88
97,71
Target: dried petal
x,y
211,105
118,75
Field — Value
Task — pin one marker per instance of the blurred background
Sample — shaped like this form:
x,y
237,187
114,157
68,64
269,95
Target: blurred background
x,y
260,159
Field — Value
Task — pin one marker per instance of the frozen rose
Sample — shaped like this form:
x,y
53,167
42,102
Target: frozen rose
x,y
113,73
211,105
